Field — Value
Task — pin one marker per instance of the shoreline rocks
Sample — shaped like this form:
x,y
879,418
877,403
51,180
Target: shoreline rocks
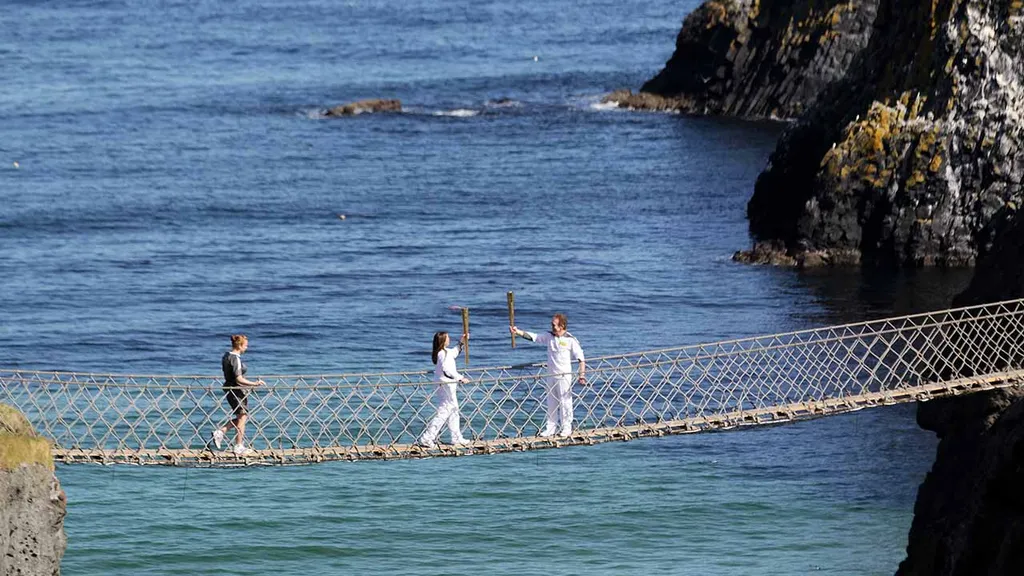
x,y
774,253
756,59
364,106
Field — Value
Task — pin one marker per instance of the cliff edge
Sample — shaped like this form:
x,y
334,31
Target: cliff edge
x,y
910,158
756,58
969,514
32,539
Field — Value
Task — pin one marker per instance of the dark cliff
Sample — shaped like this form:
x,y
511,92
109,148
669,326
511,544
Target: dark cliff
x,y
757,58
969,514
909,158
913,155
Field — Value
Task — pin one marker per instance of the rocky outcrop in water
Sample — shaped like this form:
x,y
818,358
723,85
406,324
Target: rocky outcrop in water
x,y
911,157
365,106
969,514
756,58
32,504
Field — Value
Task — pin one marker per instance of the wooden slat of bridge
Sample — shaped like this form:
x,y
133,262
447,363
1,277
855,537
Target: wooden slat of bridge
x,y
739,418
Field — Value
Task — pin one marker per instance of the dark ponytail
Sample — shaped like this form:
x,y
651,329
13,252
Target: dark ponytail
x,y
438,345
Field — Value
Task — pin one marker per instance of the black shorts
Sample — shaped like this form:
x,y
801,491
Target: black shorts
x,y
238,399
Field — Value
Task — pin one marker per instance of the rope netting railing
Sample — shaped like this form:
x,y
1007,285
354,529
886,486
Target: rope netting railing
x,y
166,419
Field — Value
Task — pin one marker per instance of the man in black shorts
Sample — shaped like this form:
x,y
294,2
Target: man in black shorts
x,y
236,391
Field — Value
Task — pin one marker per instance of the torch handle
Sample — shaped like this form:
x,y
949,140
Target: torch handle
x,y
465,332
512,314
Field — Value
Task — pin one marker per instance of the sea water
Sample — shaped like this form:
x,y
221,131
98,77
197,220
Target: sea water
x,y
168,178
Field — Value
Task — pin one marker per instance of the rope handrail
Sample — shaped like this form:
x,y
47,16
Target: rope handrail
x,y
1014,303
328,376
153,418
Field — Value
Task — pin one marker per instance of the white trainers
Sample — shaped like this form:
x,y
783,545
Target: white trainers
x,y
565,433
426,444
241,450
546,433
218,438
461,442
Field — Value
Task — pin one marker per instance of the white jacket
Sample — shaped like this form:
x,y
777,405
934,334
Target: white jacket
x,y
445,370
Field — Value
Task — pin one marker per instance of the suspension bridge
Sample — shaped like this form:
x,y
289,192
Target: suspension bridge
x,y
297,419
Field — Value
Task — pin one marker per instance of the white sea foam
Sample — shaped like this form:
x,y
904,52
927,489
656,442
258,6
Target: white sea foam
x,y
604,105
458,113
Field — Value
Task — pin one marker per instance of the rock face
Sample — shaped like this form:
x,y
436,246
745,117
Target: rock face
x,y
757,58
364,106
1000,272
32,505
969,514
910,158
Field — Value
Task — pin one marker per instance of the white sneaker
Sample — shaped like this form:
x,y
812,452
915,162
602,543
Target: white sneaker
x,y
241,450
564,433
426,444
461,442
546,433
218,438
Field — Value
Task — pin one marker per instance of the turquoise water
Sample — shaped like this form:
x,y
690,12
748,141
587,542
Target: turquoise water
x,y
167,178
831,495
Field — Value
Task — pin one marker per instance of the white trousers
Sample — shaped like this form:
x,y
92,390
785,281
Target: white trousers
x,y
559,390
447,412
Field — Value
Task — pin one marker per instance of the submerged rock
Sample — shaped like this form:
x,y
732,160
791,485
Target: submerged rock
x,y
756,58
364,106
643,101
774,253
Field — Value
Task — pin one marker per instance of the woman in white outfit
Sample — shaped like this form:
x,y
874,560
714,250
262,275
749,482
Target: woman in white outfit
x,y
447,376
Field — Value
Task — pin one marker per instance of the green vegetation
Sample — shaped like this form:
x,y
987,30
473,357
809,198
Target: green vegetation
x,y
19,443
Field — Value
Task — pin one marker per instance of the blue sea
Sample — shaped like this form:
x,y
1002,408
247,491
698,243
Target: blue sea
x,y
168,178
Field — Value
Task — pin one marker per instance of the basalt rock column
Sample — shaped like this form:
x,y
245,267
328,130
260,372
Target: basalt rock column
x,y
969,514
757,58
912,156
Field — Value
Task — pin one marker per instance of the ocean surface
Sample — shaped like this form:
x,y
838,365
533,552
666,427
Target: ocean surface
x,y
168,178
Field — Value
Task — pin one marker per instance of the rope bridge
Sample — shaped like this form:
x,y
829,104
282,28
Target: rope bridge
x,y
139,419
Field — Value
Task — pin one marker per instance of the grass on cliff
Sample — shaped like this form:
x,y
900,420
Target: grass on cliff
x,y
19,443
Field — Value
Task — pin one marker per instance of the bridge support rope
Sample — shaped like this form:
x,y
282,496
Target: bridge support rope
x,y
166,419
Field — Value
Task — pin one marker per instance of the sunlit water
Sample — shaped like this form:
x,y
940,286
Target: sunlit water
x,y
176,182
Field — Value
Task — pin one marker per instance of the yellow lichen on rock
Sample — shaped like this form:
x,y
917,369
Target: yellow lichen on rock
x,y
915,178
755,9
877,127
873,149
861,145
718,13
